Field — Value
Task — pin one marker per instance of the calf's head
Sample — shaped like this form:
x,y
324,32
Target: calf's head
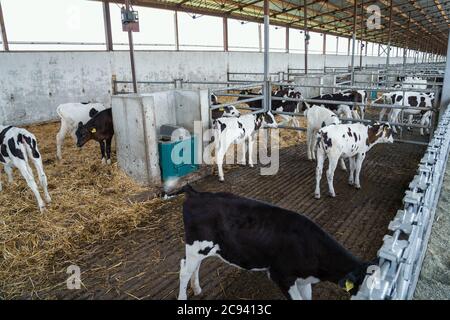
x,y
267,120
231,111
84,133
353,280
379,133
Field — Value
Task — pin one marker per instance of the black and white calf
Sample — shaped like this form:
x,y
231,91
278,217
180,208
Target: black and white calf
x,y
237,130
318,117
17,146
351,141
100,128
349,111
71,115
228,111
408,99
293,250
288,106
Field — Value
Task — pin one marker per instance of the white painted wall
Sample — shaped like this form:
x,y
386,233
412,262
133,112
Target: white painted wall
x,y
33,84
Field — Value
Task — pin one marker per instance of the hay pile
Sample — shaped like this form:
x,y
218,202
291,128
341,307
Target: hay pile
x,y
90,204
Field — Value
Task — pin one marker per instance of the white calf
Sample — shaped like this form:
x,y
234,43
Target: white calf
x,y
237,130
16,147
351,141
412,99
317,117
71,115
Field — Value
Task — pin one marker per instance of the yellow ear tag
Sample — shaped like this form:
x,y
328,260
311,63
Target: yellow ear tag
x,y
348,285
221,109
93,130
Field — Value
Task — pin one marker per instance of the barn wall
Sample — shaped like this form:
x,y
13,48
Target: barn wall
x,y
32,84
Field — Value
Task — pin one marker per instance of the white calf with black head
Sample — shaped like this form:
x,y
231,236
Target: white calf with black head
x,y
293,250
238,130
71,115
17,147
351,141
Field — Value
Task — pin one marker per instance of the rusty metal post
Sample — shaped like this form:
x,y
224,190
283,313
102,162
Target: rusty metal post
x,y
3,29
225,34
130,42
389,36
107,23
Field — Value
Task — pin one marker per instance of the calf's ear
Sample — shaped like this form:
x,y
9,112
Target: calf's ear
x,y
80,124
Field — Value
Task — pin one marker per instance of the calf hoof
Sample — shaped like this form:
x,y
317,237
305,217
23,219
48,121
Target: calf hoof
x,y
103,161
197,291
221,180
48,199
42,209
108,161
332,195
317,196
251,165
357,187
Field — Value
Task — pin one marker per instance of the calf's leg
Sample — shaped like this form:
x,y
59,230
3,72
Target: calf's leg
x,y
319,168
27,174
309,141
351,180
189,271
108,150
102,150
305,291
60,138
332,163
358,164
250,151
42,177
9,173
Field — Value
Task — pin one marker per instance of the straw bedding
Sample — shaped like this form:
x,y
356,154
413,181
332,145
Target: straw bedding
x,y
91,203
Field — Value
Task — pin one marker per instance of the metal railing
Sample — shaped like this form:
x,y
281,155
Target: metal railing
x,y
402,253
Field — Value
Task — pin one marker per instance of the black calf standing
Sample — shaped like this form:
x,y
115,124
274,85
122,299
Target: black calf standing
x,y
293,250
100,128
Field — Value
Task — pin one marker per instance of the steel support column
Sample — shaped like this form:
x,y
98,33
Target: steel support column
x,y
405,50
225,34
3,29
389,36
354,41
260,37
130,42
267,87
287,40
107,23
175,22
324,49
305,25
362,35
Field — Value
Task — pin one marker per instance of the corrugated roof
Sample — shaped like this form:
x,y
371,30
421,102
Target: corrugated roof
x,y
422,24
